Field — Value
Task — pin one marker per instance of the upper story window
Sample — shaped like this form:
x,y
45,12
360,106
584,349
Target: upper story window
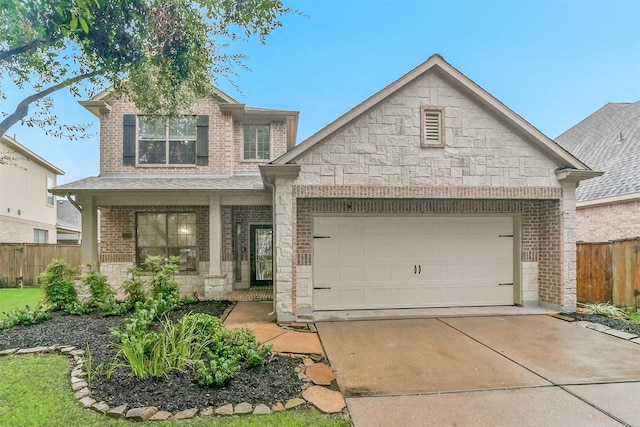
x,y
157,141
257,142
166,141
50,196
432,127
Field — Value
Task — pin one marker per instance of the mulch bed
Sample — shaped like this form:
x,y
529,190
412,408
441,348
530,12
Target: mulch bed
x,y
621,325
277,381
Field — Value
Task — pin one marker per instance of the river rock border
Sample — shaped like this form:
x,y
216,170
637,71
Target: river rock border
x,y
314,374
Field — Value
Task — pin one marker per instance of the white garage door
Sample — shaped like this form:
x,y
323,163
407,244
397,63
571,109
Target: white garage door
x,y
404,262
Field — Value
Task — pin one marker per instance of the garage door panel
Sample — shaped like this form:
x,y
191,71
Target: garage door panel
x,y
396,262
403,296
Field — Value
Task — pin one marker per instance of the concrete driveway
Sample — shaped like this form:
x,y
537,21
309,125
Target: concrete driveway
x,y
483,371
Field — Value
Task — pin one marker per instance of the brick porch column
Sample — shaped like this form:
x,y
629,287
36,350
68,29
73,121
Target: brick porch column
x,y
215,236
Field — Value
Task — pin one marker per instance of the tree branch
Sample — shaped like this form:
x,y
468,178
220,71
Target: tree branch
x,y
22,110
7,54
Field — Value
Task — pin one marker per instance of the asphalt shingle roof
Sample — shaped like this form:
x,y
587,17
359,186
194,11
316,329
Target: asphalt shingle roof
x,y
162,182
609,141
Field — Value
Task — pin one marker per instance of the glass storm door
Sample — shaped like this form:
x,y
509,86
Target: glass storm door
x,y
261,255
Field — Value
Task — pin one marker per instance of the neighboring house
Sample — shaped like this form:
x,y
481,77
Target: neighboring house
x,y
431,193
608,207
69,225
27,209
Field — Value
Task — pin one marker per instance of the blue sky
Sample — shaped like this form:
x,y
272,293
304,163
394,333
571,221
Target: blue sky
x,y
552,62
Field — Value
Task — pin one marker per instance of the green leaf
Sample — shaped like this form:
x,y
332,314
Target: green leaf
x,y
74,23
83,24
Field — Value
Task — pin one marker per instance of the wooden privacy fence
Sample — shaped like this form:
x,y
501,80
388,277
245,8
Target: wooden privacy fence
x,y
609,272
27,261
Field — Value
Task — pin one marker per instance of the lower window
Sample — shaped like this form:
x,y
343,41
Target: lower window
x,y
166,235
40,236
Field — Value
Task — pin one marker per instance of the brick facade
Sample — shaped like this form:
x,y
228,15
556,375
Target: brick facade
x,y
602,223
225,143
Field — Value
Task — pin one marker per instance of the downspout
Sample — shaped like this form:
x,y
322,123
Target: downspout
x,y
73,202
272,186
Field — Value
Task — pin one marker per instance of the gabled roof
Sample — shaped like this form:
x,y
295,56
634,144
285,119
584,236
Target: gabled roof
x,y
29,155
437,64
608,140
98,103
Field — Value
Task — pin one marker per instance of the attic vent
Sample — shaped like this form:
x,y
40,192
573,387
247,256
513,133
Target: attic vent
x,y
432,127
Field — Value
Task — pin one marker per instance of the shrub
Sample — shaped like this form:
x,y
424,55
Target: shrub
x,y
135,286
59,288
24,316
102,295
77,308
161,272
605,309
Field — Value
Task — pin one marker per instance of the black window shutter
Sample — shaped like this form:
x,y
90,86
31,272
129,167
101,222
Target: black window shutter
x,y
202,141
129,139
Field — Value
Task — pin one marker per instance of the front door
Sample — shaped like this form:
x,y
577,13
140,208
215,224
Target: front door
x,y
261,257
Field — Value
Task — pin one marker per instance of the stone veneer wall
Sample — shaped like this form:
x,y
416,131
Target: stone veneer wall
x,y
614,221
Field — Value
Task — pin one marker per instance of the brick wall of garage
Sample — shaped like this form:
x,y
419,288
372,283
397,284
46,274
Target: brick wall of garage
x,y
540,221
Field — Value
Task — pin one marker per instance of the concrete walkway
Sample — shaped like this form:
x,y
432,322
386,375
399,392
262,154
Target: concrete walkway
x,y
255,316
483,371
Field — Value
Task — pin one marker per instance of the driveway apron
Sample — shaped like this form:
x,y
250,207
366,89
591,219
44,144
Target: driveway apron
x,y
501,370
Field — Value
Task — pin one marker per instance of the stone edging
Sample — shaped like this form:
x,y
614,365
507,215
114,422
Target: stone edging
x,y
627,336
314,374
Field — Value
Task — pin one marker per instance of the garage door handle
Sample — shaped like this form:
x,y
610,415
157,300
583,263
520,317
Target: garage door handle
x,y
415,269
505,284
321,287
419,269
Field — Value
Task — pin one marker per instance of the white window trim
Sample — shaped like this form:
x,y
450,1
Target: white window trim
x,y
439,113
167,150
255,160
49,195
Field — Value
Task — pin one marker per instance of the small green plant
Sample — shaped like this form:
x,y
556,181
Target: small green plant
x,y
24,316
58,285
216,371
78,308
135,286
605,309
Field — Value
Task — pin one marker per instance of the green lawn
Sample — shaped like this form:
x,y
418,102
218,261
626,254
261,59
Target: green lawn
x,y
35,391
10,299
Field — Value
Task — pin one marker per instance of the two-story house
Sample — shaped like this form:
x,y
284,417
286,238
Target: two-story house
x,y
27,209
189,187
430,193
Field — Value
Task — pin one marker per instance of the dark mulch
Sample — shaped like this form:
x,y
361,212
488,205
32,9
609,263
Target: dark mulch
x,y
276,381
621,325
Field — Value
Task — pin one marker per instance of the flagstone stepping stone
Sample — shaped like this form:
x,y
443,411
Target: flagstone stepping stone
x,y
87,401
326,400
320,374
